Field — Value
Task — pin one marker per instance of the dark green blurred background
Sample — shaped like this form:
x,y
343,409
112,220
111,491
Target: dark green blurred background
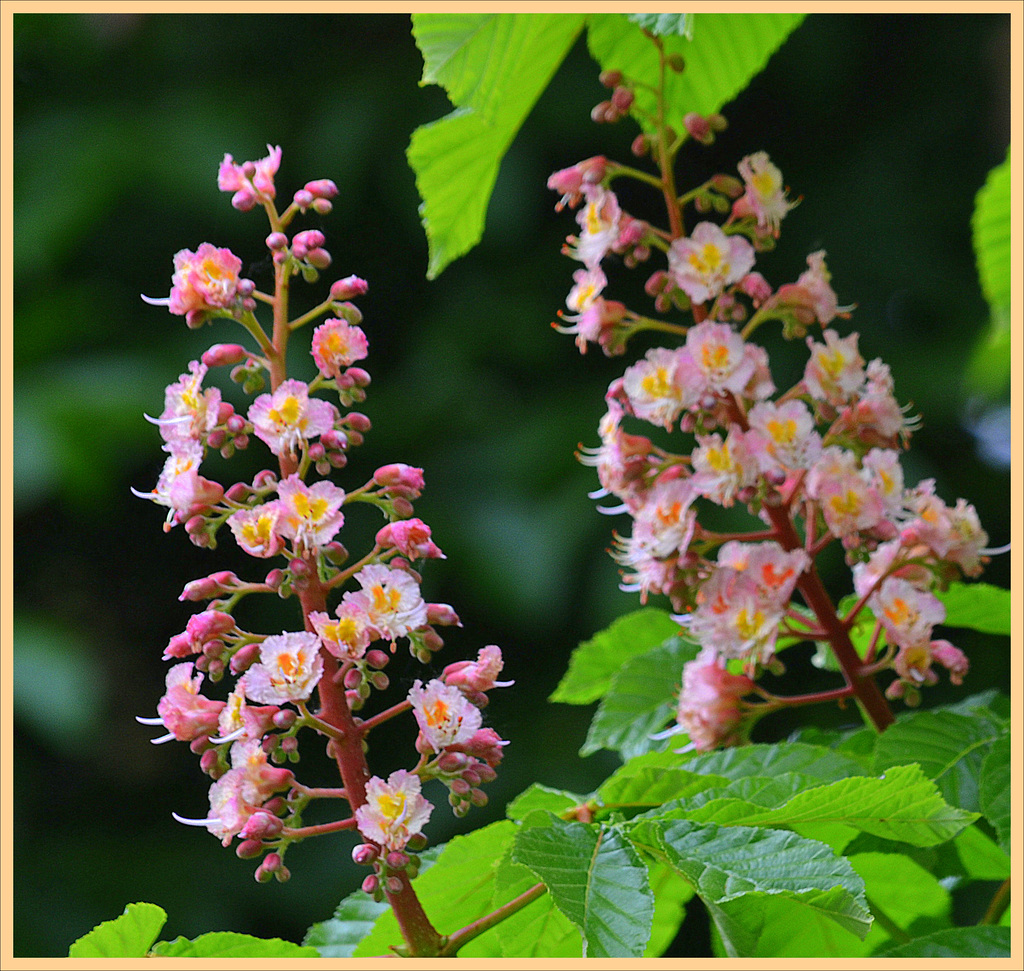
x,y
886,125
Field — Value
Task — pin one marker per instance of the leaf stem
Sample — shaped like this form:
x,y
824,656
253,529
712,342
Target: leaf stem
x,y
478,927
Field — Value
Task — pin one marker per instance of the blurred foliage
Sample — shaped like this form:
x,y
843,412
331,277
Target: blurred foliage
x,y
887,126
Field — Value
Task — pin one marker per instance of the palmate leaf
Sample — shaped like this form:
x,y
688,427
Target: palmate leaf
x,y
596,879
595,662
494,67
725,863
640,701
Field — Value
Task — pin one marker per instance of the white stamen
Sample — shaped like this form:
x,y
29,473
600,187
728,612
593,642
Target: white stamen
x,y
667,733
598,493
612,510
156,301
169,737
167,421
142,495
229,737
149,721
196,822
995,551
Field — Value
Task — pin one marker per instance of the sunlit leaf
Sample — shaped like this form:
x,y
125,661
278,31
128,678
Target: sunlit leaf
x,y
227,944
978,606
596,879
595,662
494,67
456,890
129,936
727,50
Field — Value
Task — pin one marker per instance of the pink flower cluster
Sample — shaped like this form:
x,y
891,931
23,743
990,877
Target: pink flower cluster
x,y
292,513
815,464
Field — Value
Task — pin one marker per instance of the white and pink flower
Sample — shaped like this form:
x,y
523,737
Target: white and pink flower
x,y
445,715
704,263
289,668
289,417
394,810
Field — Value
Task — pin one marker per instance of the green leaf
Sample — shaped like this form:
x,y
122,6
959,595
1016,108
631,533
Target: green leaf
x,y
352,921
949,747
995,790
539,930
726,863
595,662
129,936
989,369
978,606
901,894
767,760
226,944
638,786
981,858
904,805
671,894
957,942
494,67
539,796
640,701
596,879
456,890
990,225
727,50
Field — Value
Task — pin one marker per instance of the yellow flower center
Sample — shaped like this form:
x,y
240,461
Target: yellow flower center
x,y
657,385
288,413
392,805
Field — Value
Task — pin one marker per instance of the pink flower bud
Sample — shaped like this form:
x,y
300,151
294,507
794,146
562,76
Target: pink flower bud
x,y
244,658
249,849
364,854
397,860
377,659
371,884
319,257
698,127
351,286
224,354
321,188
399,476
303,199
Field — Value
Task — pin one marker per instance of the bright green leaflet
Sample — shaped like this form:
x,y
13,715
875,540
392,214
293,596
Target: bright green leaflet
x,y
596,879
129,936
495,66
989,369
595,663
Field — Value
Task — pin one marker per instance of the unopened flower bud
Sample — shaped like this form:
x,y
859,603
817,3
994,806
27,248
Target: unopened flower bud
x,y
224,354
377,659
351,286
303,199
623,99
249,849
285,718
365,854
209,761
610,79
698,127
397,860
277,241
478,798
370,884
319,257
